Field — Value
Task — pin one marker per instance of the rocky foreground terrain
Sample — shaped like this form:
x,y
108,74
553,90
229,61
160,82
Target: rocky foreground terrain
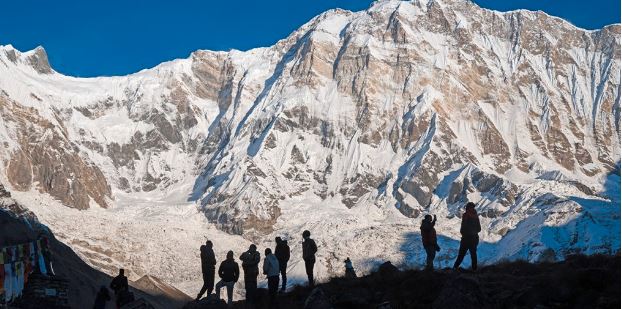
x,y
352,127
577,282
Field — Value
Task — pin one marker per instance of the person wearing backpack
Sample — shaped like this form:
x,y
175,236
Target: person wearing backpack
x,y
469,228
428,237
309,248
282,254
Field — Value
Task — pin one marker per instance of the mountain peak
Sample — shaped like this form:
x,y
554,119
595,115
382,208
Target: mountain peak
x,y
36,58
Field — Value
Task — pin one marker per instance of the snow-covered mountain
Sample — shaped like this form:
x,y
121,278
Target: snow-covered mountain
x,y
353,127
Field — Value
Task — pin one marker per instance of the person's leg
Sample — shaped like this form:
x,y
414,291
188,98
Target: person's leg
x,y
204,287
270,287
248,286
210,282
253,289
273,287
309,269
430,254
461,253
473,252
255,298
219,286
283,275
229,286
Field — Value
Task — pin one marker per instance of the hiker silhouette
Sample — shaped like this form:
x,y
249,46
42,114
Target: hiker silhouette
x,y
271,270
229,272
119,283
309,248
250,264
469,229
428,238
350,273
208,268
121,288
282,254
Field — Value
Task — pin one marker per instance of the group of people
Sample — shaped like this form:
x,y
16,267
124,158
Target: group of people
x,y
469,229
274,265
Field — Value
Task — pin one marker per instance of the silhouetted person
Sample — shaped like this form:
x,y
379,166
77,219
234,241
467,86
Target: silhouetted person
x,y
428,237
350,273
271,270
229,272
250,265
282,254
102,298
469,229
208,268
119,283
309,248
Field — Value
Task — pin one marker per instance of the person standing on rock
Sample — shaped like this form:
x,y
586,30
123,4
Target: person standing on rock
x,y
250,264
208,268
282,254
309,248
271,270
428,237
229,273
469,229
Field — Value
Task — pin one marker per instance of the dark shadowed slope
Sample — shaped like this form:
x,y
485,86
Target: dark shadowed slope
x,y
18,225
577,282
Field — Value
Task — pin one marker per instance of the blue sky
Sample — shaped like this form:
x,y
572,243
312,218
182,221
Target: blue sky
x,y
117,37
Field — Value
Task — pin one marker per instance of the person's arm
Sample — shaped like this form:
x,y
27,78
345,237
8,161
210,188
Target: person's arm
x,y
236,272
221,271
314,246
462,225
212,258
266,266
287,254
434,221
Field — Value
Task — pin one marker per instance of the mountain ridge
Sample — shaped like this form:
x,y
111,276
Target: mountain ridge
x,y
353,126
9,47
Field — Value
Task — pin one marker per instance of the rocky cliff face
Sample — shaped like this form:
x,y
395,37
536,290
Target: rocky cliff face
x,y
408,107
